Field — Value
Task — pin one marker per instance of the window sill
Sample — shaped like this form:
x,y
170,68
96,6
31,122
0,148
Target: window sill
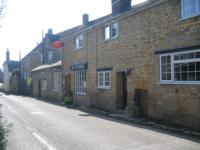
x,y
55,90
104,88
80,94
189,17
76,49
179,83
111,39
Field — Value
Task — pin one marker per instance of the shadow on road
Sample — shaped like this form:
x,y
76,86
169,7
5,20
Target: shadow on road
x,y
179,135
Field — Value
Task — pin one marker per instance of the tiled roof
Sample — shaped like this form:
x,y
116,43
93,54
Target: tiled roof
x,y
13,65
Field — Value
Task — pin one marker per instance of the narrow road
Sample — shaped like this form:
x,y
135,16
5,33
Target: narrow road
x,y
39,125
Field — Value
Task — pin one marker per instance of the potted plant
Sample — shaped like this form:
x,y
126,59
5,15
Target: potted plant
x,y
68,100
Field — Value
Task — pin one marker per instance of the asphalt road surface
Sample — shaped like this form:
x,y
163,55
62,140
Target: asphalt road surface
x,y
39,125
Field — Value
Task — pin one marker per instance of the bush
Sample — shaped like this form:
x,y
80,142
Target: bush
x,y
68,100
4,130
29,81
1,87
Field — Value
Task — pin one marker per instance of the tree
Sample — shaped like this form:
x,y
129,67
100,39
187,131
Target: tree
x,y
2,7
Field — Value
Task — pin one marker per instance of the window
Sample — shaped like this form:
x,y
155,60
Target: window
x,y
104,79
190,8
80,82
180,67
25,76
44,84
111,31
166,67
50,55
56,81
79,42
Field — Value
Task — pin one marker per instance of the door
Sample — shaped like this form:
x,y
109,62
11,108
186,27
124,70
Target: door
x,y
39,88
121,90
124,80
68,84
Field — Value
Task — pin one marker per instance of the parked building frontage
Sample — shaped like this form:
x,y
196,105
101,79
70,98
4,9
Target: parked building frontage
x,y
44,55
143,60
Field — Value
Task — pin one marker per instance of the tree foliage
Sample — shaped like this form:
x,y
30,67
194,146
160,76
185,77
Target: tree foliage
x,y
2,7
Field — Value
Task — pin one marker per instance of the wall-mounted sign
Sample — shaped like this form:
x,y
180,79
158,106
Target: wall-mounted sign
x,y
56,69
79,66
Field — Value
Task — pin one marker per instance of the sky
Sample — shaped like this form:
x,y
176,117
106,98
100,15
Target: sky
x,y
21,27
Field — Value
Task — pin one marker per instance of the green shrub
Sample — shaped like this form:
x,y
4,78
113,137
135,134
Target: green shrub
x,y
1,87
68,100
4,130
29,81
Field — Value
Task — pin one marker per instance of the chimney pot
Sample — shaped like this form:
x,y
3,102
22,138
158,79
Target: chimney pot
x,y
7,55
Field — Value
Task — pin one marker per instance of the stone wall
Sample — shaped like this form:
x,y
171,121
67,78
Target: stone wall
x,y
142,31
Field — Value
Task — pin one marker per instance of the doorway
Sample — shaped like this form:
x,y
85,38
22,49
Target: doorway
x,y
121,90
68,84
39,88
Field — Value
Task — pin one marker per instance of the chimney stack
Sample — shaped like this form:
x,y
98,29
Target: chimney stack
x,y
85,19
7,55
50,31
120,6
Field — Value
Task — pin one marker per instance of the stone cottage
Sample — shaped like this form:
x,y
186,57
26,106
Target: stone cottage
x,y
141,60
9,68
43,53
47,82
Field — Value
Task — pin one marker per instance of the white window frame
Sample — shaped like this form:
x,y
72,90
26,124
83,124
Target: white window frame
x,y
80,82
44,84
104,86
173,62
197,10
109,29
79,42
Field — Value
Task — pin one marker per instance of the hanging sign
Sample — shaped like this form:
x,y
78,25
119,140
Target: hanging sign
x,y
79,66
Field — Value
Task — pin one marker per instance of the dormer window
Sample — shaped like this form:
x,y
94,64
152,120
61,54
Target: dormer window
x,y
111,31
190,8
79,42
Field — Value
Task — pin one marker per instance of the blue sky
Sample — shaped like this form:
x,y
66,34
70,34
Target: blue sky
x,y
22,26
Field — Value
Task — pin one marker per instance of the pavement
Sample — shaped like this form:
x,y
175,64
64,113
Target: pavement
x,y
145,121
39,125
